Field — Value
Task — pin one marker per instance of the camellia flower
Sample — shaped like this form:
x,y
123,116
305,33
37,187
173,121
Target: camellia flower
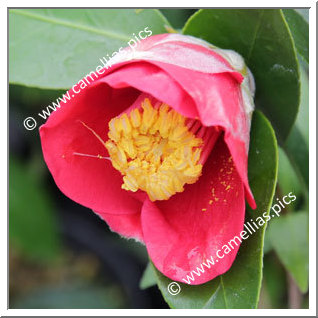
x,y
157,146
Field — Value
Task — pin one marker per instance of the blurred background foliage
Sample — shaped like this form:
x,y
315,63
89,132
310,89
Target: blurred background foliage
x,y
61,255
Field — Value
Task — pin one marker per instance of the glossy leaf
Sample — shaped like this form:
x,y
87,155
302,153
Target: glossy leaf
x,y
297,143
297,151
240,286
33,225
177,17
300,31
304,13
289,237
54,48
263,38
287,179
303,114
190,297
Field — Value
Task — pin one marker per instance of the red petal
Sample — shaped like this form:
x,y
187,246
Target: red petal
x,y
219,103
182,51
214,98
150,79
179,236
91,182
128,225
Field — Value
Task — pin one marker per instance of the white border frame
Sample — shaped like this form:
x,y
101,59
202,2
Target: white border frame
x,y
163,312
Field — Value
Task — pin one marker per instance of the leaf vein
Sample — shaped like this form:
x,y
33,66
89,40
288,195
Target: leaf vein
x,y
223,289
64,23
255,36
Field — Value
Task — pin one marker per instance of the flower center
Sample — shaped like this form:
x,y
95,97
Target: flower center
x,y
155,150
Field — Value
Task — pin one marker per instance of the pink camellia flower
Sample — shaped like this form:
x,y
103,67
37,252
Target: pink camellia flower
x,y
157,146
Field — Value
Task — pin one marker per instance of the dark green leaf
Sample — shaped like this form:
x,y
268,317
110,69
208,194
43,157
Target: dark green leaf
x,y
240,286
262,37
275,280
300,31
297,143
177,17
190,296
289,237
54,48
32,223
297,152
287,179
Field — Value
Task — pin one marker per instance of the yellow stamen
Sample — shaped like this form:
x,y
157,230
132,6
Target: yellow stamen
x,y
154,150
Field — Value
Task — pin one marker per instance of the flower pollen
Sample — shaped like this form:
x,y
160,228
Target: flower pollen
x,y
155,150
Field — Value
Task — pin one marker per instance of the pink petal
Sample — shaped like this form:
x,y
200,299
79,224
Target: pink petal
x,y
91,182
179,236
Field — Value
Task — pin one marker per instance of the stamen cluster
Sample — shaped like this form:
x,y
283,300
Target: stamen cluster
x,y
154,150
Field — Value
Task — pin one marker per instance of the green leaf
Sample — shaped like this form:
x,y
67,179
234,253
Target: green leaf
x,y
297,152
190,297
297,144
55,48
177,17
304,13
289,237
240,286
32,223
71,296
275,280
287,178
303,114
263,38
267,247
300,31
148,278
